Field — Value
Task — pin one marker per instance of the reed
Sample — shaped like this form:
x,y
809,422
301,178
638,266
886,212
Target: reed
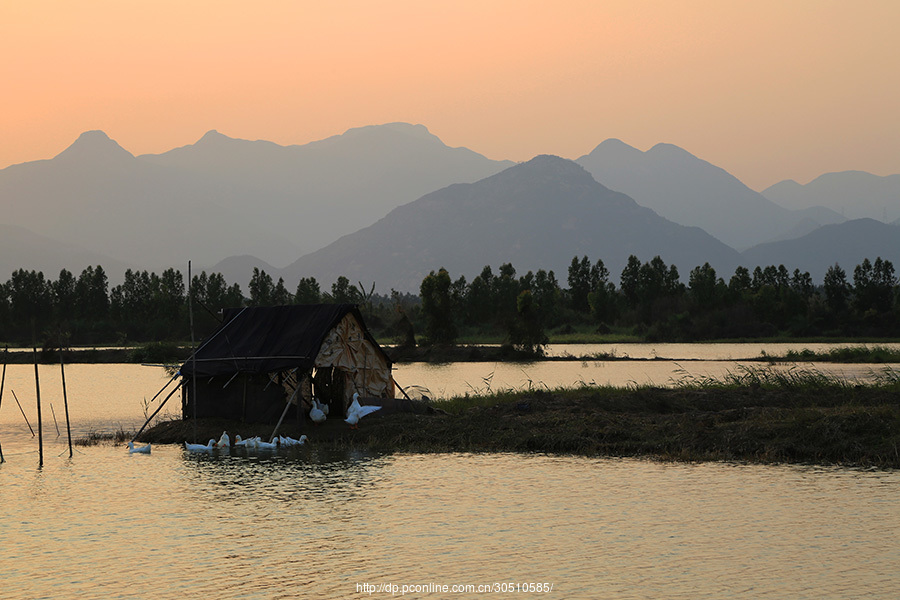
x,y
850,354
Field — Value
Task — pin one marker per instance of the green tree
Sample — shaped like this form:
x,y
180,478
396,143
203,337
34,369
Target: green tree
x,y
837,289
343,292
262,288
527,331
437,308
308,291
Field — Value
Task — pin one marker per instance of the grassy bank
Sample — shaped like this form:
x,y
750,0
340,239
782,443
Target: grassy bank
x,y
755,416
854,354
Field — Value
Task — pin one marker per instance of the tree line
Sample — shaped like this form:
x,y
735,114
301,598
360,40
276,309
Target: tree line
x,y
653,303
650,301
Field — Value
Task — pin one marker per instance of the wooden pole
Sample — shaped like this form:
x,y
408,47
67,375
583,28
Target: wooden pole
x,y
62,371
22,411
55,422
37,388
3,381
193,351
283,413
402,391
161,404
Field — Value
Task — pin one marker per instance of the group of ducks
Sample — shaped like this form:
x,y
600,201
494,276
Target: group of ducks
x,y
317,413
254,443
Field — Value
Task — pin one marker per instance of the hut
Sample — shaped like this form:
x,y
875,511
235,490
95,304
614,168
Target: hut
x,y
262,362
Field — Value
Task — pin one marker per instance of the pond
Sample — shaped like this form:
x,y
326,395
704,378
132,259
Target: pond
x,y
313,524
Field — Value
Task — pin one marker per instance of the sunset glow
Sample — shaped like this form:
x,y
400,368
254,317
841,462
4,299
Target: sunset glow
x,y
768,90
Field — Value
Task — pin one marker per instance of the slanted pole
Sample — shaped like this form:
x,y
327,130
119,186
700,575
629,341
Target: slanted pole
x,y
62,372
159,408
284,412
21,410
3,381
37,388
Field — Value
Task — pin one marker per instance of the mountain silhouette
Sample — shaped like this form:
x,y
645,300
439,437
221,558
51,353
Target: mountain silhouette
x,y
538,214
844,243
856,194
690,191
222,197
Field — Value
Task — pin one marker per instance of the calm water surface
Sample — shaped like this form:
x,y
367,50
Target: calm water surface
x,y
307,524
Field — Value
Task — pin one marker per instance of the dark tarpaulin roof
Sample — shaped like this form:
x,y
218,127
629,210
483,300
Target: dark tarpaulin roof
x,y
264,339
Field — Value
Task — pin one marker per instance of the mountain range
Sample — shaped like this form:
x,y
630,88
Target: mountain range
x,y
538,214
390,203
221,197
690,191
854,194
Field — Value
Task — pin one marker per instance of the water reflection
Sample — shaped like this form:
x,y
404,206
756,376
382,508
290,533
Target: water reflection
x,y
313,524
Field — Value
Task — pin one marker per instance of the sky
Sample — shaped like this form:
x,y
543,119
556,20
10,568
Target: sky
x,y
766,89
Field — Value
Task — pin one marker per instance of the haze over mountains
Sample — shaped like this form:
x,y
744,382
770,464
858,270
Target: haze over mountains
x,y
854,194
685,189
538,214
390,203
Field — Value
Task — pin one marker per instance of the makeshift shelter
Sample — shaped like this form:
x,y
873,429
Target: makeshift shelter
x,y
263,359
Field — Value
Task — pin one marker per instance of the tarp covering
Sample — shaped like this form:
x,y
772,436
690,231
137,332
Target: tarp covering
x,y
267,339
347,348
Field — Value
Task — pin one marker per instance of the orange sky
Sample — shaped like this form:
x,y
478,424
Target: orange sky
x,y
768,90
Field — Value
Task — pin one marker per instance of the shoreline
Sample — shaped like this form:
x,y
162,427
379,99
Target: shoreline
x,y
821,425
864,352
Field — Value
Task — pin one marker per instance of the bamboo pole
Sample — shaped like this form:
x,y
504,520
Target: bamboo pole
x,y
2,382
55,422
193,351
22,411
150,418
402,391
37,389
284,412
62,372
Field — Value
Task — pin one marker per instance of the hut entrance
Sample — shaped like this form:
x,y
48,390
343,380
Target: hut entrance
x,y
328,387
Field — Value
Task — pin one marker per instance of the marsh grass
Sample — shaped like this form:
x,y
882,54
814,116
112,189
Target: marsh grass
x,y
93,438
851,354
758,414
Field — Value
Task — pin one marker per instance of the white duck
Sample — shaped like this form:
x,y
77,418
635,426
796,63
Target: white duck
x,y
357,412
289,441
224,441
316,413
200,447
139,449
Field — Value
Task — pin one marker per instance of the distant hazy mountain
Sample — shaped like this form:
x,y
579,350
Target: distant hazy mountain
x,y
24,249
535,215
845,243
98,196
315,193
222,197
690,191
855,194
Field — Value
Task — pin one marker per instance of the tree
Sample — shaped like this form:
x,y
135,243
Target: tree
x,y
705,287
527,331
343,292
262,288
280,295
437,308
630,281
308,291
64,295
580,284
837,289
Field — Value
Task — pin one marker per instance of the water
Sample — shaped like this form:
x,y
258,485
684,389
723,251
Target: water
x,y
311,524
